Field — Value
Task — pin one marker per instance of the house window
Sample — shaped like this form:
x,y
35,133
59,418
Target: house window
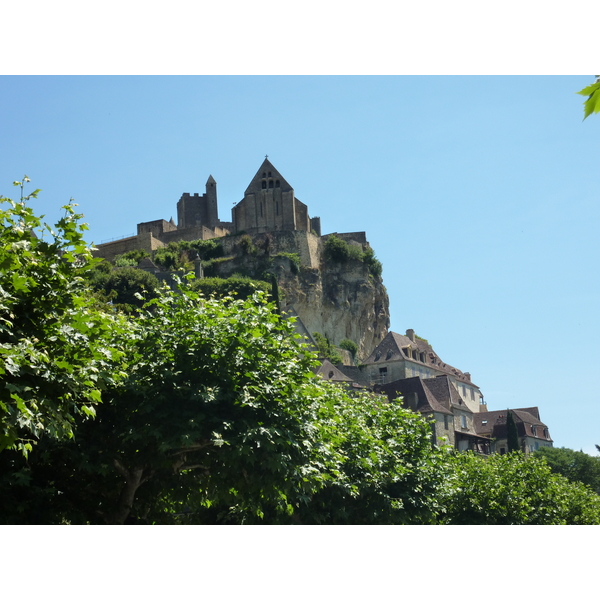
x,y
533,430
463,421
382,374
445,421
502,450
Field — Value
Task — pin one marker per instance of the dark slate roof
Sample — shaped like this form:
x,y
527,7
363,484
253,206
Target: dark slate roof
x,y
355,374
331,373
392,347
426,401
255,185
445,392
146,264
493,423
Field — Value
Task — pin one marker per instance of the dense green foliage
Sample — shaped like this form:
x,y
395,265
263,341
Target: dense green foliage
x,y
326,349
513,489
575,466
207,411
57,348
340,251
349,345
180,255
237,285
125,287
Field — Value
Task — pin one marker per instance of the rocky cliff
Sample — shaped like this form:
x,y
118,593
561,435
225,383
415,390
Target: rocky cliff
x,y
340,296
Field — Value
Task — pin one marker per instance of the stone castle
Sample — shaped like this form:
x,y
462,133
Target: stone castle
x,y
269,205
341,301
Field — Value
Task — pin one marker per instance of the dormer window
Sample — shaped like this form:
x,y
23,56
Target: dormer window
x,y
378,355
389,354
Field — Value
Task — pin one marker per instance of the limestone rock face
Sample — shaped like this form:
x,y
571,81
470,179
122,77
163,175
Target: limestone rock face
x,y
339,301
336,299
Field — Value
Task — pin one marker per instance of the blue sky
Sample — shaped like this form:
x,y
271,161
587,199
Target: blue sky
x,y
477,194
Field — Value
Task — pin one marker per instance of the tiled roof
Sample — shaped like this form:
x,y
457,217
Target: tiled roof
x,y
426,401
355,374
331,373
445,392
392,347
493,423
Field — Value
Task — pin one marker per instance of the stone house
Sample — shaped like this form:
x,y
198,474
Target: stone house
x,y
533,434
407,367
404,356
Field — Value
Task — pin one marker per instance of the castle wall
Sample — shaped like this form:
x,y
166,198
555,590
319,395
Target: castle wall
x,y
157,228
144,241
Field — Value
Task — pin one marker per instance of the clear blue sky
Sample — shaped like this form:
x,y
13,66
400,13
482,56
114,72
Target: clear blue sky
x,y
478,194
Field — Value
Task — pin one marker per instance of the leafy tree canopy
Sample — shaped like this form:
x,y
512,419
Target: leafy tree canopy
x,y
575,466
57,349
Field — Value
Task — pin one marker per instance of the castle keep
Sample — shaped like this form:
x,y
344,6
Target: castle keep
x,y
269,204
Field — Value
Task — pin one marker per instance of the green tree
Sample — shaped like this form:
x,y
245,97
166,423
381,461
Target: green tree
x,y
380,464
212,416
57,348
575,466
512,434
326,349
127,287
513,489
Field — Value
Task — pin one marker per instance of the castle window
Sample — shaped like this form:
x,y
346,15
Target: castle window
x,y
383,374
277,208
270,183
264,174
261,209
264,185
277,183
269,173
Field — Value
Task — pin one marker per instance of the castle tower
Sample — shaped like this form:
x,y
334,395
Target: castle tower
x,y
269,204
196,210
211,203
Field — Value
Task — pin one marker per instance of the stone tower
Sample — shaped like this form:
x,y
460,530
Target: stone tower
x,y
196,210
269,204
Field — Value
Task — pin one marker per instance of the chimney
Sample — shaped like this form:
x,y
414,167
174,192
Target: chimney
x,y
410,334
